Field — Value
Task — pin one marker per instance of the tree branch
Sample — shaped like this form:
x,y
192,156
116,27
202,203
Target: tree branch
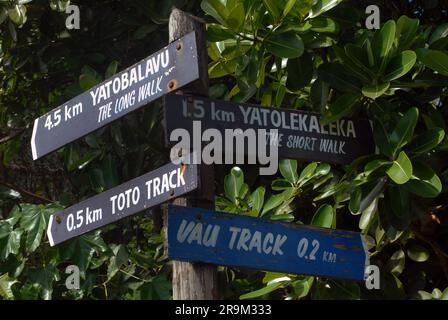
x,y
25,192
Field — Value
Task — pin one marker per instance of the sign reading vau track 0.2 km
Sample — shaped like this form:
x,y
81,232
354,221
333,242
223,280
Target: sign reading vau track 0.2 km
x,y
168,69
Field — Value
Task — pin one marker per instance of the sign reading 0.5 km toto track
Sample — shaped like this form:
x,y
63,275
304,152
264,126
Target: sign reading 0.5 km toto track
x,y
200,235
146,191
168,69
299,133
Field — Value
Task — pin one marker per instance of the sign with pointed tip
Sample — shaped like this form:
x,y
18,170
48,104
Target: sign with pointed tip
x,y
165,71
300,135
200,235
144,192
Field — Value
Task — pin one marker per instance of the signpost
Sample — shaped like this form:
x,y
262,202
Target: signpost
x,y
166,70
123,201
198,237
196,234
300,134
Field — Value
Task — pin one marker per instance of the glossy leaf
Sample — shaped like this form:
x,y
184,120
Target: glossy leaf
x,y
400,65
355,201
256,199
401,169
404,130
427,141
337,77
323,217
418,253
233,184
285,45
375,91
434,59
288,169
424,182
342,107
382,43
300,72
322,6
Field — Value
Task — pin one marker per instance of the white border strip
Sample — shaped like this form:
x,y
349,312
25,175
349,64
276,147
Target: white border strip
x,y
33,139
367,261
49,235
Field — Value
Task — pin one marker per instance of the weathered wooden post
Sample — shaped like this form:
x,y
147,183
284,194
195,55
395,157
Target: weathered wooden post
x,y
194,281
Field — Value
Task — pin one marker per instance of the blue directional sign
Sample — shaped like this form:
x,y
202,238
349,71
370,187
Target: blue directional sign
x,y
200,235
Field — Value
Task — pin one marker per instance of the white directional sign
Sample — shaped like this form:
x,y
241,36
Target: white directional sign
x,y
141,193
167,70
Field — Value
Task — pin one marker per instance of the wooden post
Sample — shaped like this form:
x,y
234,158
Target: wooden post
x,y
194,281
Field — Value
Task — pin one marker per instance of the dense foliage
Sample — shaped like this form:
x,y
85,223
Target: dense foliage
x,y
301,54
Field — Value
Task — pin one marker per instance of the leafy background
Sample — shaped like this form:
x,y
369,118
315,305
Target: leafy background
x,y
301,54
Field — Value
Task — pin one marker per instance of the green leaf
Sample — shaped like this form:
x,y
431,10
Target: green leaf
x,y
233,184
439,33
434,59
34,221
6,284
307,172
10,244
427,141
368,215
89,78
418,253
404,130
323,217
285,45
382,137
263,291
324,25
406,32
288,169
5,229
359,58
337,289
401,169
342,107
288,7
322,6
276,200
355,201
216,9
339,78
424,182
320,92
236,17
399,211
400,65
119,258
256,199
44,278
111,69
302,287
158,288
300,72
280,184
142,32
383,41
396,262
271,5
217,32
374,91
283,217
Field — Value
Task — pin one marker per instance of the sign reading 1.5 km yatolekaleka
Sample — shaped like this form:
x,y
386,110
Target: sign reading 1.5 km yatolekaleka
x,y
166,70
